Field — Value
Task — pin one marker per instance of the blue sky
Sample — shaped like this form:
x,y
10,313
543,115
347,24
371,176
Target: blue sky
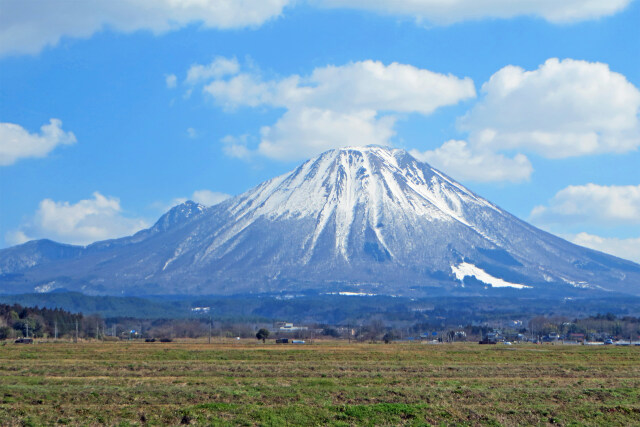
x,y
111,113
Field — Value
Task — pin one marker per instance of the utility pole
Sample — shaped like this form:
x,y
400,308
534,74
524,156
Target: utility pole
x,y
55,329
76,337
209,329
27,325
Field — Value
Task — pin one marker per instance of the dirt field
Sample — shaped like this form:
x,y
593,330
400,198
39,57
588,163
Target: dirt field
x,y
330,383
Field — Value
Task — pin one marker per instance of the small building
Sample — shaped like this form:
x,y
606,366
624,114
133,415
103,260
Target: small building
x,y
494,336
552,337
460,335
576,337
288,327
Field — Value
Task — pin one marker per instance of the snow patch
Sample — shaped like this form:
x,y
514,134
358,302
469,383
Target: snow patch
x,y
581,285
466,269
352,294
47,287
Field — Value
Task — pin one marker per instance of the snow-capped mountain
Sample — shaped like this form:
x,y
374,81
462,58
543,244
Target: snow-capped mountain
x,y
177,216
367,219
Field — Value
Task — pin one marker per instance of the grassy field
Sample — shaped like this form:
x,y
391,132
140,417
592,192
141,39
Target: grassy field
x,y
321,384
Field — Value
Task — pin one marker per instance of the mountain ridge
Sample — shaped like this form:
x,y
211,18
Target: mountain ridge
x,y
354,219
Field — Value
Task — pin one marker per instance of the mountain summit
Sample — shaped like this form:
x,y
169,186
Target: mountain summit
x,y
359,220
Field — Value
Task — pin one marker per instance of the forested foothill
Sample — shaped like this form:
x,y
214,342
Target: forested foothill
x,y
437,311
17,321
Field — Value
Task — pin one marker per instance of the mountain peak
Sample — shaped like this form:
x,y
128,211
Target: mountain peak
x,y
345,191
383,181
178,215
372,148
392,155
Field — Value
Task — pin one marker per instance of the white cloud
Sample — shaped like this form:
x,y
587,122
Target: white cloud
x,y
218,68
302,133
562,109
357,86
249,90
336,106
204,197
237,146
171,80
208,197
457,159
16,237
26,26
84,222
17,143
623,248
449,11
592,203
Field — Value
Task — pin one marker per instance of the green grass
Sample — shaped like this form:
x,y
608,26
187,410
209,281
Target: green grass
x,y
322,384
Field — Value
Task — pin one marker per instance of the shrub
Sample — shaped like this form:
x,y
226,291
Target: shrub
x,y
262,334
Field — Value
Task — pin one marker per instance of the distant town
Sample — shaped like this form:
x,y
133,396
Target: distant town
x,y
26,324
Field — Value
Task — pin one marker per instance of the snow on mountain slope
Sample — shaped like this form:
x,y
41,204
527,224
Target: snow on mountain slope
x,y
358,219
37,252
384,184
469,270
33,253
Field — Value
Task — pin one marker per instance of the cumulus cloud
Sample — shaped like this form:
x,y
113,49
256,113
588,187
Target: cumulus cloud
x,y
302,133
623,248
204,197
450,11
248,90
81,223
208,197
171,80
592,203
237,146
562,109
26,26
357,86
335,106
16,237
17,143
219,67
460,161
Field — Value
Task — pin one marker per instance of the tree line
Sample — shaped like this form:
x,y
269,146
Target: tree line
x,y
17,321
